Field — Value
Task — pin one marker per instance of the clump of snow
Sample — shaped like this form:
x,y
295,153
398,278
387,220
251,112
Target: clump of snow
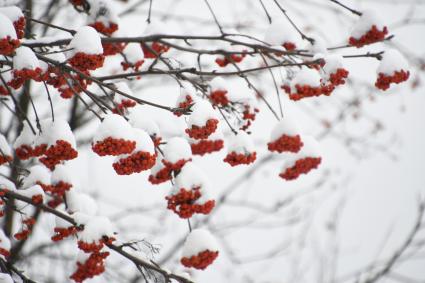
x,y
25,59
332,63
218,83
392,61
176,149
133,52
7,28
368,19
96,228
102,11
280,32
60,222
319,46
4,277
62,173
143,141
38,173
79,202
86,40
241,143
4,244
32,191
138,119
286,126
6,184
12,12
202,111
123,87
26,137
187,89
306,76
5,148
199,240
114,126
59,129
191,176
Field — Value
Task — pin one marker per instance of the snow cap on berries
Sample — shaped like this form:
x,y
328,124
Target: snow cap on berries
x,y
281,33
4,249
34,192
5,149
202,111
141,120
79,202
191,176
367,20
176,149
6,29
392,61
96,228
25,59
86,40
38,175
114,126
198,242
306,76
133,53
241,143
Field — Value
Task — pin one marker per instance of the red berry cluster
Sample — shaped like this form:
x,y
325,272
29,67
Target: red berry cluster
x,y
235,159
286,144
5,158
383,81
27,225
37,199
67,84
165,174
105,29
8,45
113,146
157,47
203,132
84,62
206,146
372,36
303,91
125,104
218,97
62,233
136,66
19,25
338,78
183,203
21,76
301,166
290,46
95,246
201,260
184,106
113,48
135,163
60,151
176,166
226,60
92,267
4,252
25,151
57,191
248,115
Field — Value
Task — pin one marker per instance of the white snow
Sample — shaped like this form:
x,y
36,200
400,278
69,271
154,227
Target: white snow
x,y
4,244
306,76
218,83
4,277
191,176
86,40
365,23
286,126
5,148
26,137
133,52
123,87
96,228
114,126
32,191
202,111
6,28
143,141
62,173
62,223
57,130
392,61
333,63
177,148
158,166
38,173
7,184
102,11
241,143
280,32
12,12
319,45
79,202
25,59
138,119
199,240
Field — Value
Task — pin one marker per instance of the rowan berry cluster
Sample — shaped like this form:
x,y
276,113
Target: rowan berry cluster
x,y
185,203
201,260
